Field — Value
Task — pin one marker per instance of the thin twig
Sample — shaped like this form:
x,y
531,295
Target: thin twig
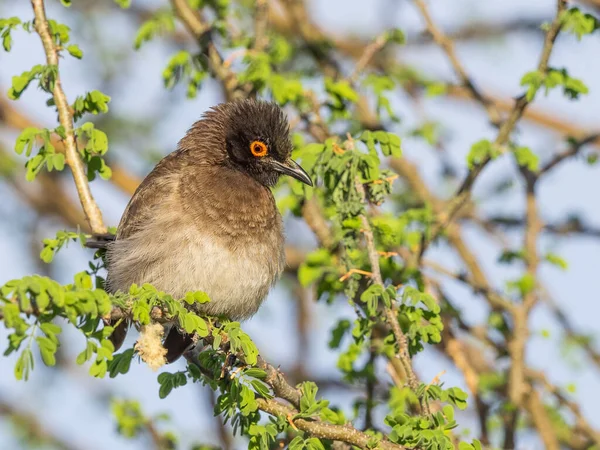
x,y
367,56
572,151
582,423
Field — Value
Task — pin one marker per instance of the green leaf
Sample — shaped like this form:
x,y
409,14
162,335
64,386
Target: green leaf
x,y
435,89
261,388
195,324
313,444
533,81
557,261
165,389
524,285
20,82
396,35
75,51
338,333
24,365
196,297
86,354
526,158
98,368
296,444
96,102
255,373
58,161
26,140
480,152
162,22
579,23
340,91
47,350
285,90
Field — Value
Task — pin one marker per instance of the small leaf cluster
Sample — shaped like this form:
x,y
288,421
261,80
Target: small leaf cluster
x,y
482,151
183,66
46,155
96,146
6,28
52,246
132,422
262,73
45,74
161,22
380,85
535,80
94,102
423,432
579,23
405,229
419,316
418,431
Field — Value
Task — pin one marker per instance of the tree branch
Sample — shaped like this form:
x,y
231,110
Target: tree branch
x,y
324,430
90,208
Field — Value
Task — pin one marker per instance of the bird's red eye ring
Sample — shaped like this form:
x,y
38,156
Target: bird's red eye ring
x,y
258,148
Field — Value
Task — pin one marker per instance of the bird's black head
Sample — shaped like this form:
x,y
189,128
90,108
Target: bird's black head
x,y
257,140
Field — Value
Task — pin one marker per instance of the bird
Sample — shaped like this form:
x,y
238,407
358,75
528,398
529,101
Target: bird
x,y
205,218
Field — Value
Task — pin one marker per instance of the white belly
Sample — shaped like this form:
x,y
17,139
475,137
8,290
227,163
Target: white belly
x,y
237,281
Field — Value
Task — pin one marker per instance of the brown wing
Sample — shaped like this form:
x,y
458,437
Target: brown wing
x,y
139,211
151,192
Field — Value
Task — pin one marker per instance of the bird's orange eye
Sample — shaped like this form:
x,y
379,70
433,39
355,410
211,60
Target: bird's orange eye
x,y
258,148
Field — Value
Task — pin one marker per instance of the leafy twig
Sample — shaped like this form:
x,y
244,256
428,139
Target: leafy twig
x,y
390,312
90,208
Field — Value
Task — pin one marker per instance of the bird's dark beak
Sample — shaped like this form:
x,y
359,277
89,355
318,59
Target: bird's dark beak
x,y
293,169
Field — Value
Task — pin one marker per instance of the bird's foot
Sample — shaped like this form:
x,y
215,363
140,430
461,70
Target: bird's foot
x,y
229,362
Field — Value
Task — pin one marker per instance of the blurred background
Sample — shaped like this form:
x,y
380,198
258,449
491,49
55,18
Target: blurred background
x,y
497,42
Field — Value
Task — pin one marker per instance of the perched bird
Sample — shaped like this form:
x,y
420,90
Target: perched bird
x,y
205,218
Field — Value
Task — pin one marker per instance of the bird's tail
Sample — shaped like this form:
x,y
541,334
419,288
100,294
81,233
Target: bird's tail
x,y
100,241
176,344
119,334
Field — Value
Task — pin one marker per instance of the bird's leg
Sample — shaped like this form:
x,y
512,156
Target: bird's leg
x,y
229,362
